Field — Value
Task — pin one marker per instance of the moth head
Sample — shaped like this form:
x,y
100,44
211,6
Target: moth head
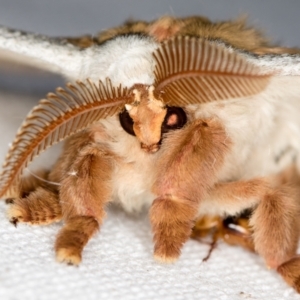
x,y
148,118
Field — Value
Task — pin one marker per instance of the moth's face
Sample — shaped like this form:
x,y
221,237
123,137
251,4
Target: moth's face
x,y
147,123
144,120
148,118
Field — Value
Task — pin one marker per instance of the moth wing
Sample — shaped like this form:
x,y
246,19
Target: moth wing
x,y
50,54
193,70
83,41
54,119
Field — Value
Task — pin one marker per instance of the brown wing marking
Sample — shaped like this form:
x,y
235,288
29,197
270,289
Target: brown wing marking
x,y
56,118
193,70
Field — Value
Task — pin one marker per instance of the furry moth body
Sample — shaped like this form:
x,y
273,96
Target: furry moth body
x,y
238,97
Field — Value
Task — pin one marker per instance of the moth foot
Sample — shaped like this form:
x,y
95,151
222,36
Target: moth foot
x,y
172,226
14,221
15,215
70,256
41,207
290,271
166,253
18,213
72,238
164,259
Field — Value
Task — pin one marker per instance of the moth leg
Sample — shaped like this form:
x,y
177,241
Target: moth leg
x,y
73,237
275,224
41,207
275,218
290,271
189,162
172,222
231,198
38,204
84,192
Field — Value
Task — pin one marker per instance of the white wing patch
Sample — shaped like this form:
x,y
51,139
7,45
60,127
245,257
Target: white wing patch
x,y
125,59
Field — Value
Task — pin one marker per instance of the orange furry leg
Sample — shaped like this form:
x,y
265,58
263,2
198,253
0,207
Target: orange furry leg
x,y
172,222
84,193
188,167
41,207
233,197
275,224
275,219
73,237
290,271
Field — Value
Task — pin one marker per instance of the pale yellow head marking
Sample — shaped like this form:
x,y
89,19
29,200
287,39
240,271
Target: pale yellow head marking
x,y
128,107
155,105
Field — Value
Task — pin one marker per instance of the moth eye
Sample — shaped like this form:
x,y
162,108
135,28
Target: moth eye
x,y
126,122
174,119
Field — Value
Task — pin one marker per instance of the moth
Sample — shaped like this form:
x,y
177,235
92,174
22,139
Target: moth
x,y
190,118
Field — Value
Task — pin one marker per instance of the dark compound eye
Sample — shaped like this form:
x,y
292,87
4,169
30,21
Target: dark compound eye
x,y
126,122
174,119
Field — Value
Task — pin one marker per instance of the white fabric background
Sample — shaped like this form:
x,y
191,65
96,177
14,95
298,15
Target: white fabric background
x,y
117,263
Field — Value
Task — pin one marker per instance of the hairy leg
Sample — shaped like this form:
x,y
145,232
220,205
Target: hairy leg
x,y
38,204
172,223
275,215
84,192
275,219
195,152
275,224
73,237
290,271
40,207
